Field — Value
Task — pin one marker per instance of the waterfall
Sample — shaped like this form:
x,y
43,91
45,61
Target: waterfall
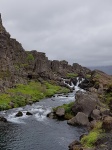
x,y
72,86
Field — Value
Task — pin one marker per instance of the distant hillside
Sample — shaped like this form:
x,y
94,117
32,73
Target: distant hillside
x,y
106,69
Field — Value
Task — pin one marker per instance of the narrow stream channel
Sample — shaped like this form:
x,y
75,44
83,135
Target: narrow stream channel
x,y
37,132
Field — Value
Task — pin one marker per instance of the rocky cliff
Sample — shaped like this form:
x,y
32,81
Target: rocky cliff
x,y
17,65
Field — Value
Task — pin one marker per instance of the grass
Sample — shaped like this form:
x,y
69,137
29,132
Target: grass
x,y
88,76
68,112
71,75
90,139
24,93
30,57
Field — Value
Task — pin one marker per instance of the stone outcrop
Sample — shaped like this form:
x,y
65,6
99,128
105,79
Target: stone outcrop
x,y
79,119
18,65
98,82
85,102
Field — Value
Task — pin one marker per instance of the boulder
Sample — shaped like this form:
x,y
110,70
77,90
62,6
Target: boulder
x,y
79,119
96,114
85,102
107,123
86,84
28,113
60,112
3,119
19,114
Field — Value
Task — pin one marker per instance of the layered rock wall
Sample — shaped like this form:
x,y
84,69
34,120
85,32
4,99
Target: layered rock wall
x,y
16,63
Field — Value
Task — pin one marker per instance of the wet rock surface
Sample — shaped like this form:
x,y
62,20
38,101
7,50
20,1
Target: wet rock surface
x,y
3,119
28,113
19,114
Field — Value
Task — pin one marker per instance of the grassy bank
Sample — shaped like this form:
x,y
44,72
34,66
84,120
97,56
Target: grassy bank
x,y
89,140
31,92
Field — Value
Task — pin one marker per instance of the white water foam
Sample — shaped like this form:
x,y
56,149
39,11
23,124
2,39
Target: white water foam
x,y
41,114
14,119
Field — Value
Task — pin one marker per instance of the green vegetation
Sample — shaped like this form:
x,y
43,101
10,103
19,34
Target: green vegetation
x,y
18,66
30,57
33,91
108,94
68,112
88,76
97,76
71,75
90,139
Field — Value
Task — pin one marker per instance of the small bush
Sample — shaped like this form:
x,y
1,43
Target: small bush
x,y
30,57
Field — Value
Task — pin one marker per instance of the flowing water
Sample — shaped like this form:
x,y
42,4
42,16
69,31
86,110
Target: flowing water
x,y
37,132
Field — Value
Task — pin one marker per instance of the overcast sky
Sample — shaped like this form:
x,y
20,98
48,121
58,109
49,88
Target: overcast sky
x,y
75,30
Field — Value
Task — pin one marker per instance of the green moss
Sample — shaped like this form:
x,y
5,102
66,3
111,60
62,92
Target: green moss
x,y
20,65
4,101
90,139
97,76
71,75
30,57
17,67
88,76
108,98
33,91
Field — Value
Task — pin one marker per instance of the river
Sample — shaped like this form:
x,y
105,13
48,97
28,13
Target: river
x,y
37,132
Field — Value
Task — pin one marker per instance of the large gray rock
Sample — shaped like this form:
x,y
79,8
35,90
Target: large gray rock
x,y
79,119
85,102
96,114
60,112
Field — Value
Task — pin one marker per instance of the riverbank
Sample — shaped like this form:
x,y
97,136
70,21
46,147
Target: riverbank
x,y
38,131
92,109
29,93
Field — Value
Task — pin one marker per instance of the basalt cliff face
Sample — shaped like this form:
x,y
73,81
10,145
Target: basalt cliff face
x,y
17,65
